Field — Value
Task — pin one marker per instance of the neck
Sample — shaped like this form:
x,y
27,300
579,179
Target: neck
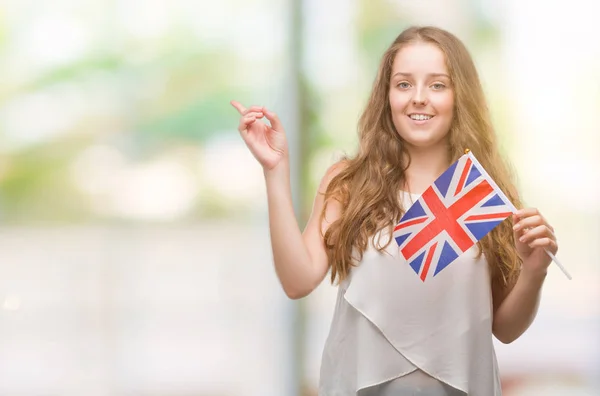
x,y
426,165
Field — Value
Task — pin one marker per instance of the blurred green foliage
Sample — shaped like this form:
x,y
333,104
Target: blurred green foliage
x,y
174,94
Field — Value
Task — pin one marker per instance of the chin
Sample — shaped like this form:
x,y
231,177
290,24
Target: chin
x,y
424,138
423,141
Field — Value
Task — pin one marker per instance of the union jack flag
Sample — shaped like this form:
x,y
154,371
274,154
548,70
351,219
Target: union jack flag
x,y
456,211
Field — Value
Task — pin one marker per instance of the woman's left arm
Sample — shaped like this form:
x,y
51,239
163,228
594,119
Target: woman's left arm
x,y
516,305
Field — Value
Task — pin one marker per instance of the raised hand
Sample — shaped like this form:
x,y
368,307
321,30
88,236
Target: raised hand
x,y
533,234
267,143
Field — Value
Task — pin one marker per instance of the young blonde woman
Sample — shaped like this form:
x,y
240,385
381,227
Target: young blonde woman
x,y
392,333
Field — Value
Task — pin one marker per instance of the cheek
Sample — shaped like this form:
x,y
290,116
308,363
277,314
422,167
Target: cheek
x,y
398,102
445,104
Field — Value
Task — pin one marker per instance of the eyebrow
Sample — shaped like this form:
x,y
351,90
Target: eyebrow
x,y
429,75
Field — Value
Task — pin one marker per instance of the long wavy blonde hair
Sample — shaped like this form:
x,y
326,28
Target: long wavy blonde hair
x,y
368,185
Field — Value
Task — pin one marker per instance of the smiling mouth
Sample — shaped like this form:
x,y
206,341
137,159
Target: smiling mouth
x,y
420,117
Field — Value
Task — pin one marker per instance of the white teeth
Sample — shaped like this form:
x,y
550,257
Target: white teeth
x,y
420,117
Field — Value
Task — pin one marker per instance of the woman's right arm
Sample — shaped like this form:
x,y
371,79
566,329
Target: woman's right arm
x,y
300,258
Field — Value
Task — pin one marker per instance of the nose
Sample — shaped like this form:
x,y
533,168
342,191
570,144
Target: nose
x,y
419,98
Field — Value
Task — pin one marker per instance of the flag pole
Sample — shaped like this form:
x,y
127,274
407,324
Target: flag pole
x,y
513,208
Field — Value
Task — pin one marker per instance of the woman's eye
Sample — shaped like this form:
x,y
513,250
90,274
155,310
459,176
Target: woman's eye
x,y
438,86
403,85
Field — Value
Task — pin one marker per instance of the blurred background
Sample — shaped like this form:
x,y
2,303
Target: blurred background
x,y
134,242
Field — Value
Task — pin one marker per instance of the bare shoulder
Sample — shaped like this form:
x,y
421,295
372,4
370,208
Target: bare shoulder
x,y
322,216
331,173
330,209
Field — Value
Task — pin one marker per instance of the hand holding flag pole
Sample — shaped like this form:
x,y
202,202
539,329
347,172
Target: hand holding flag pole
x,y
514,210
457,210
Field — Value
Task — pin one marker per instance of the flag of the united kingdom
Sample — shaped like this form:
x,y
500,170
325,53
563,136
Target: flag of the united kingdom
x,y
455,212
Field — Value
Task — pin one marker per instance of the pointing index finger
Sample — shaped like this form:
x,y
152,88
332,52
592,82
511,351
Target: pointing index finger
x,y
238,106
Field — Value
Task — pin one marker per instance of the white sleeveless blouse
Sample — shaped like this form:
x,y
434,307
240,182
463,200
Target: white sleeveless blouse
x,y
393,334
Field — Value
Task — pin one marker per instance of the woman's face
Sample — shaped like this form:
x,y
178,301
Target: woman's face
x,y
421,95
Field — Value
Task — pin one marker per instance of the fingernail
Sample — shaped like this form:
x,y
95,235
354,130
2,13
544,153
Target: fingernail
x,y
522,239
